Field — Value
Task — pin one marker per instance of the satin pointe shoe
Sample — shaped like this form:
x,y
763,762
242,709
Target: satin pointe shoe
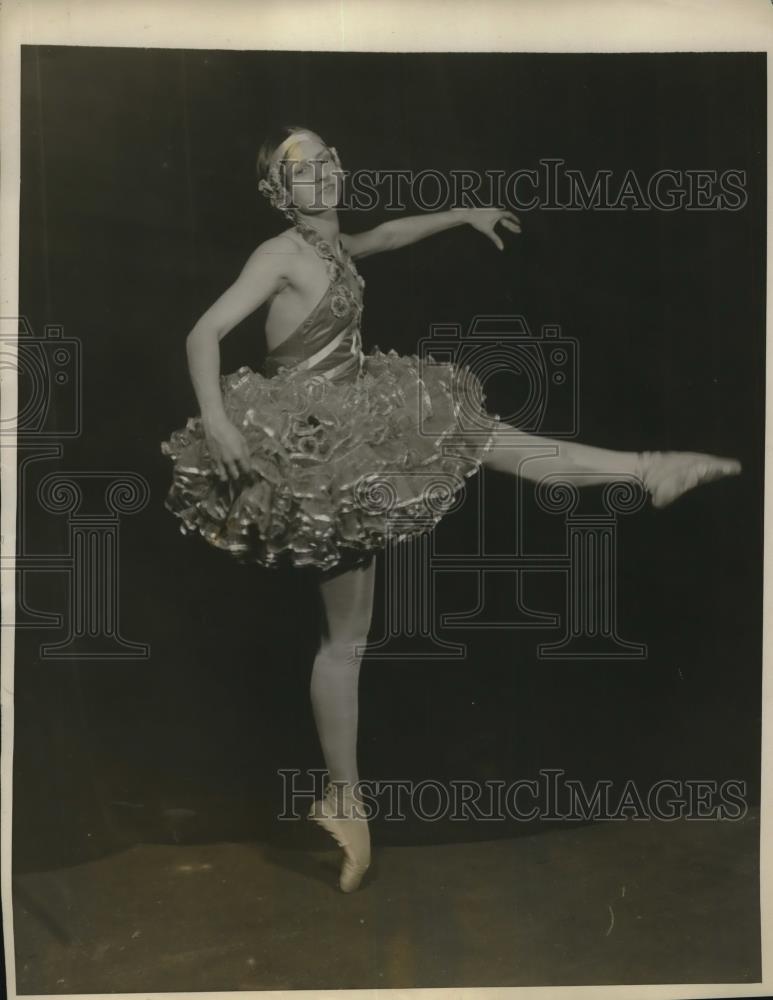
x,y
669,474
343,815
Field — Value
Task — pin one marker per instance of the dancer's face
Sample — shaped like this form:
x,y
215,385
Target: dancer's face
x,y
310,174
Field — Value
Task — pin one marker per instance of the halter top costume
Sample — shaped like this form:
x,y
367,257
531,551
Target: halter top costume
x,y
328,340
349,451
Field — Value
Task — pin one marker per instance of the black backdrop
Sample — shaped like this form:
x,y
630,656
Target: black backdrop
x,y
138,207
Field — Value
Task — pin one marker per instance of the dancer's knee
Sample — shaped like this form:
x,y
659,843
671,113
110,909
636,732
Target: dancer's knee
x,y
343,649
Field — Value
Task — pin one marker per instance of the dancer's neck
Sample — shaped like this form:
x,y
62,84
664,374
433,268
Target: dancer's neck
x,y
324,223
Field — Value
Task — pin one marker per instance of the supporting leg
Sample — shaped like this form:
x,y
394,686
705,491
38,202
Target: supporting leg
x,y
348,604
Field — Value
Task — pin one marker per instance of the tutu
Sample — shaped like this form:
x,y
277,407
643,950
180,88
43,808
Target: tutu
x,y
348,451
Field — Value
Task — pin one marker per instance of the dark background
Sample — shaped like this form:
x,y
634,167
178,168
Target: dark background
x,y
139,206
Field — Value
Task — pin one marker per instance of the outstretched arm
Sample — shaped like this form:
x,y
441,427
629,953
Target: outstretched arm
x,y
398,233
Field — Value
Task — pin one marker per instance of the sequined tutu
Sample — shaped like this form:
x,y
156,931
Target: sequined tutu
x,y
335,468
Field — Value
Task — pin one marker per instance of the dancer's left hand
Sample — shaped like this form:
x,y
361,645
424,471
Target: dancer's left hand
x,y
485,219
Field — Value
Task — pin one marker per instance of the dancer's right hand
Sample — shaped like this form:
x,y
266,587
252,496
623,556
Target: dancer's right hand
x,y
227,447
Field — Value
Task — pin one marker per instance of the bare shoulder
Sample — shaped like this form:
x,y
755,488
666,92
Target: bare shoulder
x,y
284,243
277,255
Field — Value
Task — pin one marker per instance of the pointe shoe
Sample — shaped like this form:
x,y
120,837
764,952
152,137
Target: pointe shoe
x,y
342,814
669,474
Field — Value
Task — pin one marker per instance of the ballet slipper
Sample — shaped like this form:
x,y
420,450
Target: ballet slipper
x,y
342,814
669,474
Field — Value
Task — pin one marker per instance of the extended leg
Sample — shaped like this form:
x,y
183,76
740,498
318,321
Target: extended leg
x,y
666,475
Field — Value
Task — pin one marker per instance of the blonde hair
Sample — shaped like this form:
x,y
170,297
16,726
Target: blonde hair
x,y
272,142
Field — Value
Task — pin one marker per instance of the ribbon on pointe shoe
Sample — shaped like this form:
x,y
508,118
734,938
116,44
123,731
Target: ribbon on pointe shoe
x,y
342,814
668,474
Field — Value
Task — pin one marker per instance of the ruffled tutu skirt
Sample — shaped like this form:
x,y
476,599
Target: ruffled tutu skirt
x,y
338,470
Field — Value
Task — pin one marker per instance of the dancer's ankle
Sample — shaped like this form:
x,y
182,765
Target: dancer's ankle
x,y
641,465
344,790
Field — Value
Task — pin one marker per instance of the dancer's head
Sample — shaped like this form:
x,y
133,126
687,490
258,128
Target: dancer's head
x,y
298,172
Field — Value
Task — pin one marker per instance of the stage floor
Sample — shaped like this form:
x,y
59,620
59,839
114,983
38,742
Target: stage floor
x,y
612,903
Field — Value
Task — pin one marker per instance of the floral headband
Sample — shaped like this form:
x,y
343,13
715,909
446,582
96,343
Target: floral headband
x,y
272,186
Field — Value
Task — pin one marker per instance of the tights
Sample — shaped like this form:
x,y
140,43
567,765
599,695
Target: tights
x,y
347,596
534,457
347,599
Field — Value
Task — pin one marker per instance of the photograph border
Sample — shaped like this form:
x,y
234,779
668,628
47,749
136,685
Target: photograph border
x,y
561,26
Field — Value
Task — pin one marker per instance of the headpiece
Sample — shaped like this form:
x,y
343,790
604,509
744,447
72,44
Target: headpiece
x,y
273,187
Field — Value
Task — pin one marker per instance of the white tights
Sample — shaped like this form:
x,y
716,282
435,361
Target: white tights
x,y
348,598
534,457
348,604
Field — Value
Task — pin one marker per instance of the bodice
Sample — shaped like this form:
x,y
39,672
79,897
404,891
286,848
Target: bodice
x,y
328,340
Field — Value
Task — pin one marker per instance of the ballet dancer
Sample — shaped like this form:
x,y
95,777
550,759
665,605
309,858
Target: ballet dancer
x,y
270,470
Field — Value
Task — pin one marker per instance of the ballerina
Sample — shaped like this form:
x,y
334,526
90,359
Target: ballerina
x,y
278,467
